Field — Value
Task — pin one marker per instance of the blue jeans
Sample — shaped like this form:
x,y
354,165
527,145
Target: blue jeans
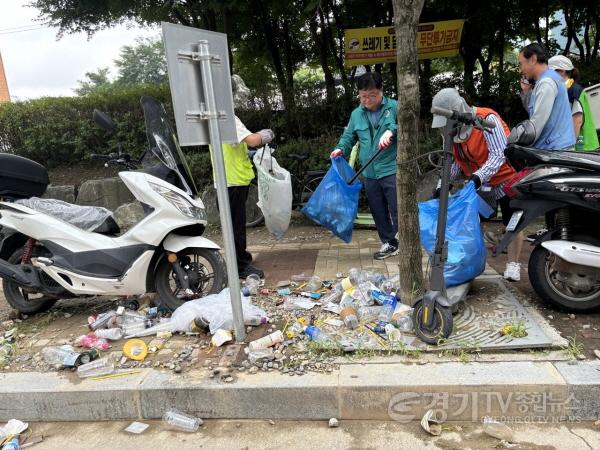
x,y
383,203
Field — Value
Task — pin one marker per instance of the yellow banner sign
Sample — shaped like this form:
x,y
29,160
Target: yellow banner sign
x,y
378,45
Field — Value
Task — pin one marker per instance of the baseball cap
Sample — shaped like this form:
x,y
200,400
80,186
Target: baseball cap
x,y
560,62
447,98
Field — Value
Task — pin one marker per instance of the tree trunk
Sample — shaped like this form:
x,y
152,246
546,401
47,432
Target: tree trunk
x,y
406,18
321,46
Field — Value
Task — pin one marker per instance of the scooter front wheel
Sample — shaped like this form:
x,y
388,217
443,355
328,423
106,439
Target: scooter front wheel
x,y
441,325
205,270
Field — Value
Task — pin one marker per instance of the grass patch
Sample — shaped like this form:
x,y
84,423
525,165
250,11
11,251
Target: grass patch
x,y
573,348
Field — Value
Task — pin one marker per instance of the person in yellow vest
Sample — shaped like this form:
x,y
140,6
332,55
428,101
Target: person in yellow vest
x,y
480,157
239,172
583,119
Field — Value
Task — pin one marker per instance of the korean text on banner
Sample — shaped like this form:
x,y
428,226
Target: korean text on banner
x,y
378,45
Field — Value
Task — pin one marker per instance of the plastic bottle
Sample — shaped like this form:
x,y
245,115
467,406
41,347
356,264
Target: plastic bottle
x,y
393,333
346,301
114,334
377,278
334,296
349,316
255,321
395,280
131,316
497,429
13,444
99,367
361,293
314,284
387,287
404,323
266,341
252,283
315,334
294,329
378,296
102,320
181,421
369,313
255,355
66,356
133,328
387,309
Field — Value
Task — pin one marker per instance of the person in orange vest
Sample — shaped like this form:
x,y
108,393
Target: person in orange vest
x,y
480,157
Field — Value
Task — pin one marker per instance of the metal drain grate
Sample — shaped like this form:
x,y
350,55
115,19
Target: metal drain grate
x,y
479,320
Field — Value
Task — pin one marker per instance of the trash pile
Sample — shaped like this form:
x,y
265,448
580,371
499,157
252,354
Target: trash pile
x,y
302,324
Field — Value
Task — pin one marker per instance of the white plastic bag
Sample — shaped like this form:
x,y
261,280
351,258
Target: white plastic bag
x,y
215,310
274,192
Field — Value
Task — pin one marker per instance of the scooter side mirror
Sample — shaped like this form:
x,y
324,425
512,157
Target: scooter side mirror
x,y
104,121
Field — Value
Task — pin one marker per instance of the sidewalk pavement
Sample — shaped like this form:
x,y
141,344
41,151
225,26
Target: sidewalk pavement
x,y
327,257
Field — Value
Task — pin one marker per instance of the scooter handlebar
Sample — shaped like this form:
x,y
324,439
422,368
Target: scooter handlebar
x,y
464,118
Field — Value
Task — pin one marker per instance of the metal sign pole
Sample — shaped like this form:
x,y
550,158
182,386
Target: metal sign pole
x,y
212,117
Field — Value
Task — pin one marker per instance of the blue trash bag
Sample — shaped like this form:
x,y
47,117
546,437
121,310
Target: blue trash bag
x,y
466,249
334,203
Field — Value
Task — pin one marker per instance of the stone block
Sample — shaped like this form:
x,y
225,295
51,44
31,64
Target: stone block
x,y
583,380
260,396
109,193
464,392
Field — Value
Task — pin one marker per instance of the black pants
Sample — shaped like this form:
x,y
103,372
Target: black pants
x,y
237,202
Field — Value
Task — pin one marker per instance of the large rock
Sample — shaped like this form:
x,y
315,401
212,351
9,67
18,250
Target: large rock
x,y
65,193
108,192
128,215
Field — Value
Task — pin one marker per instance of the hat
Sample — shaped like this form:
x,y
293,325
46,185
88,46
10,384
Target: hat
x,y
448,98
560,62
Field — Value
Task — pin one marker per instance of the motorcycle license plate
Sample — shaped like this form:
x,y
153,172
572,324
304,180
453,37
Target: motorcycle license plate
x,y
514,221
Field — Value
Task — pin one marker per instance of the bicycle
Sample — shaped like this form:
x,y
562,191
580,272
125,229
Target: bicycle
x,y
304,184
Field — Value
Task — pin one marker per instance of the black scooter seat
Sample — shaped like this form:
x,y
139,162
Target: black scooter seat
x,y
521,156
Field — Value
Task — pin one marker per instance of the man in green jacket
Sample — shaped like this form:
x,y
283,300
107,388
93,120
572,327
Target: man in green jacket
x,y
373,124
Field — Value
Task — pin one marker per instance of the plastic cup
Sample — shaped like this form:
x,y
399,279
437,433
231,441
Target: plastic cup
x,y
181,421
99,367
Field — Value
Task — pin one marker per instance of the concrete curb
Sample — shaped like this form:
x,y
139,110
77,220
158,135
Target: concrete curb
x,y
514,391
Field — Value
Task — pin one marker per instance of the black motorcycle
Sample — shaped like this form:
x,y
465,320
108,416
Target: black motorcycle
x,y
563,186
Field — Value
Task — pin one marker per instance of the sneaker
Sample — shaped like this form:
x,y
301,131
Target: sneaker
x,y
533,237
386,251
512,271
251,270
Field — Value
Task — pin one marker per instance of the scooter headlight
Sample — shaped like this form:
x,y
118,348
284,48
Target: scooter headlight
x,y
179,202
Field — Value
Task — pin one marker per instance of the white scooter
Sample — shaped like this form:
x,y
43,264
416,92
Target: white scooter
x,y
53,252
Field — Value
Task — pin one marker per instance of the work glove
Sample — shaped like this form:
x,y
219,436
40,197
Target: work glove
x,y
266,136
476,181
337,152
386,139
438,188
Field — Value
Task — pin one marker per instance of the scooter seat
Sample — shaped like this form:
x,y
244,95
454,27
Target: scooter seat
x,y
521,156
89,218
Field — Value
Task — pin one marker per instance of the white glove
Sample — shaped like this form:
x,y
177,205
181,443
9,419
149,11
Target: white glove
x,y
266,136
386,139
